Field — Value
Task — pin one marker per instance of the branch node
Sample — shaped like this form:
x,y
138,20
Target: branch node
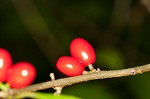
x,y
91,70
58,90
85,72
133,72
98,70
52,76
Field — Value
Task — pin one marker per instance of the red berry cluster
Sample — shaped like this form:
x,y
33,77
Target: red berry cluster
x,y
16,75
83,55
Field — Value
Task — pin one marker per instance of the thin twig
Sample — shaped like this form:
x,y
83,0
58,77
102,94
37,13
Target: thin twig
x,y
82,78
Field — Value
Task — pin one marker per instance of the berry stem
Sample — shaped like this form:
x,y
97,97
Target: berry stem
x,y
91,67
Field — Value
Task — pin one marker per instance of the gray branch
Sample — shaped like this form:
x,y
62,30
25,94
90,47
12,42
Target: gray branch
x,y
83,78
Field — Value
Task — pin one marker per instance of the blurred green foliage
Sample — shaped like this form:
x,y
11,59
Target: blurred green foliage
x,y
40,31
42,95
110,58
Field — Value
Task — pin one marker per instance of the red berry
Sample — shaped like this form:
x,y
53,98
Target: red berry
x,y
82,50
5,63
21,75
70,66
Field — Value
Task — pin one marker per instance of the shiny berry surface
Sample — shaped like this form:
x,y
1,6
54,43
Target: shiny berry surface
x,y
70,66
83,50
21,75
5,63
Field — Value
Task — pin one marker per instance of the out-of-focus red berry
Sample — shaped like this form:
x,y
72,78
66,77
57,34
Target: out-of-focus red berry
x,y
21,75
5,63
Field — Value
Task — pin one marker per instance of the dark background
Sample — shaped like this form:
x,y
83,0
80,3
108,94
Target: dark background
x,y
40,31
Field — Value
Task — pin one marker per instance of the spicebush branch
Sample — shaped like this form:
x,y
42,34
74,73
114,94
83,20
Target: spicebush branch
x,y
82,78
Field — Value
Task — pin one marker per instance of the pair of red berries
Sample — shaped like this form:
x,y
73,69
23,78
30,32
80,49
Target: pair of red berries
x,y
18,75
83,55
